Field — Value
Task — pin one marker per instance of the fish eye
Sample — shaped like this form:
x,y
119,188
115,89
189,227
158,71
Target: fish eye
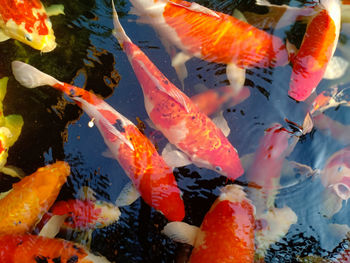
x,y
28,37
218,168
340,168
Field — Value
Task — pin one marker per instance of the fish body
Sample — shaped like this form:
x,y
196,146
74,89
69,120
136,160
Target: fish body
x,y
211,35
316,50
265,171
151,176
85,214
177,117
30,198
27,248
28,22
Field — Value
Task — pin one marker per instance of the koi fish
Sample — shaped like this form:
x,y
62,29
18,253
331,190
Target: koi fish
x,y
336,179
212,100
28,22
23,206
150,175
177,117
10,130
226,233
316,50
263,176
27,248
212,36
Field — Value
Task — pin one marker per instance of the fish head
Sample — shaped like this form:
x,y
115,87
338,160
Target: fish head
x,y
30,24
336,174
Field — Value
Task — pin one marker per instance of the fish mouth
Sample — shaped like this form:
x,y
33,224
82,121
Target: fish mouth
x,y
48,45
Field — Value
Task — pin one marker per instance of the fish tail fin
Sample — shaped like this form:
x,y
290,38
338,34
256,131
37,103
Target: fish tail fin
x,y
30,77
118,31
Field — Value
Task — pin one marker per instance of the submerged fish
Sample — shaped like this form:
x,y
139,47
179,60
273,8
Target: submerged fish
x,y
151,176
336,179
226,233
28,22
212,36
23,206
33,249
177,117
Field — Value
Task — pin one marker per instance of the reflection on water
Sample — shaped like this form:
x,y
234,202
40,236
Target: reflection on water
x,y
88,56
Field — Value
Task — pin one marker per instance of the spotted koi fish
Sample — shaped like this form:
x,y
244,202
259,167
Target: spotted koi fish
x,y
27,248
226,233
213,36
23,206
177,117
151,176
28,22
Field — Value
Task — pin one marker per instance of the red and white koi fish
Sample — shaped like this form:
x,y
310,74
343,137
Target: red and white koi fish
x,y
213,36
150,175
28,22
177,117
316,50
29,199
336,179
33,249
226,233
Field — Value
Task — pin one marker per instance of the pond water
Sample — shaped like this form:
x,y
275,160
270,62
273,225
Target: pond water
x,y
89,56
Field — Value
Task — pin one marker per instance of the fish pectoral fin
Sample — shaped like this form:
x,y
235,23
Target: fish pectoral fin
x,y
53,226
247,160
127,196
197,8
13,171
86,193
115,132
239,15
336,68
55,10
108,154
308,124
151,124
236,77
181,232
178,63
174,157
3,36
4,194
331,203
221,123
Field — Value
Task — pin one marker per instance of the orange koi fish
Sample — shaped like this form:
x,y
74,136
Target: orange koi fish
x,y
336,179
23,206
28,22
226,233
150,175
316,50
177,117
34,249
212,36
211,100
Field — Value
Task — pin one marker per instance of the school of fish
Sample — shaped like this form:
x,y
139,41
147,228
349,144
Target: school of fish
x,y
244,221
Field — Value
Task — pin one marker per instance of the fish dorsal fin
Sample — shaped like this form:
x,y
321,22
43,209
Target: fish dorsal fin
x,y
197,8
173,92
105,123
181,232
52,227
127,196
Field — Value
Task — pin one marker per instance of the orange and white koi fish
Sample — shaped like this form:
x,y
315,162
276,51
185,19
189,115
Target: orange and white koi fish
x,y
28,22
177,117
213,36
336,179
316,50
27,248
226,233
23,206
150,175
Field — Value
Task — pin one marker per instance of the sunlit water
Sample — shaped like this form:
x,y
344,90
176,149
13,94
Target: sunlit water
x,y
89,56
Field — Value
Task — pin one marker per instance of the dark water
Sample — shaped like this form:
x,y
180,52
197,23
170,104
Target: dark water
x,y
89,56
